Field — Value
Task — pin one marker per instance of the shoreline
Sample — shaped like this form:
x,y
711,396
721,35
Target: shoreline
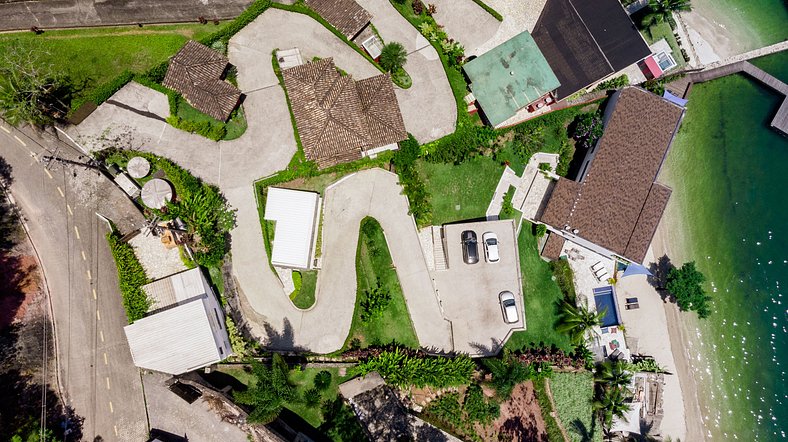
x,y
668,240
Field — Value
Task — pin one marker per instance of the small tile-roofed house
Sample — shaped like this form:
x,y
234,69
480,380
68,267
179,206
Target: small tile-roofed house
x,y
346,15
340,119
617,203
196,72
509,77
587,41
184,329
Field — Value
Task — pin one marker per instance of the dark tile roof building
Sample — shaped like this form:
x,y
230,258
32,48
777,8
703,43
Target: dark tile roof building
x,y
197,72
345,15
339,118
553,246
617,204
585,41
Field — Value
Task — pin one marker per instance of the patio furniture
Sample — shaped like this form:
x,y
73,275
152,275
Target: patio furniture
x,y
597,266
632,300
632,306
138,167
156,193
601,274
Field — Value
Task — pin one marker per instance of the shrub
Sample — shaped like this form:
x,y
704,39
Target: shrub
x,y
240,22
478,408
565,154
312,397
684,283
404,161
588,128
507,371
540,230
393,56
613,83
564,278
418,7
131,276
402,368
507,209
462,145
374,303
237,342
446,409
545,167
322,380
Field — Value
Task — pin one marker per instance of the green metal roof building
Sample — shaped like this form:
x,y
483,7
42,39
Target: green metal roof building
x,y
510,77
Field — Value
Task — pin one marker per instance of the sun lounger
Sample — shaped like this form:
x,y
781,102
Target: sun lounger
x,y
632,300
601,274
597,266
632,306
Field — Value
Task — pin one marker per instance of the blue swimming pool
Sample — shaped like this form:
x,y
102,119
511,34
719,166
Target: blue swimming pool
x,y
605,300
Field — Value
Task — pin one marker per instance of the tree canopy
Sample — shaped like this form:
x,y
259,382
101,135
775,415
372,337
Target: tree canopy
x,y
269,393
662,10
393,57
685,284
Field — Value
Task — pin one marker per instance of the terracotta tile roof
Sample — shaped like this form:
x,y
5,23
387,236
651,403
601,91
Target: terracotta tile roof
x,y
196,73
553,246
345,15
337,117
618,205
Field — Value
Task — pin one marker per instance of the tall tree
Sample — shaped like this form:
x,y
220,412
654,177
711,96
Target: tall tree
x,y
577,320
611,403
612,374
31,90
270,392
393,56
685,284
662,10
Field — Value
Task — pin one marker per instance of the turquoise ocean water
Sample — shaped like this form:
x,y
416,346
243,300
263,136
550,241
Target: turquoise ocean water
x,y
729,174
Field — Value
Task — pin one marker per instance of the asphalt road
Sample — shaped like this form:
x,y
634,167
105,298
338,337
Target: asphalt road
x,y
59,204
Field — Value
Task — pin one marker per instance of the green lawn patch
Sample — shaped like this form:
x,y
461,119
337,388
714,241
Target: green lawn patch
x,y
218,280
469,185
304,380
548,413
542,296
305,283
662,30
375,270
190,119
573,393
95,56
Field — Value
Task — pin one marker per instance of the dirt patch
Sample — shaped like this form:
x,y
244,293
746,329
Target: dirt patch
x,y
19,286
520,419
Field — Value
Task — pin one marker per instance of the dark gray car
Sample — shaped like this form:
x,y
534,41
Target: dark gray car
x,y
470,249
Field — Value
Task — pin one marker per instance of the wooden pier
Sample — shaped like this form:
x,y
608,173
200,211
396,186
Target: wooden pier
x,y
780,120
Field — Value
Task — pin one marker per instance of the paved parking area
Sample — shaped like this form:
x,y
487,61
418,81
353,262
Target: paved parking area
x,y
469,293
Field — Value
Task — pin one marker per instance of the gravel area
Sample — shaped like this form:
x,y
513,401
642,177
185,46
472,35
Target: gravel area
x,y
158,261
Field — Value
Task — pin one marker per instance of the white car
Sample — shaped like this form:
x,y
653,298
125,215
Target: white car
x,y
490,241
508,307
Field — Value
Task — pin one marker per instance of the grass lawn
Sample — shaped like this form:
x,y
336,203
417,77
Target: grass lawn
x,y
217,279
572,393
304,294
469,185
662,30
373,266
95,56
304,380
236,125
542,296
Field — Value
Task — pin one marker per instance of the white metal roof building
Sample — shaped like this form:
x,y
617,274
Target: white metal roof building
x,y
184,330
296,213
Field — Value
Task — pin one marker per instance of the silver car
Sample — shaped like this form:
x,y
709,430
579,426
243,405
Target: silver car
x,y
490,241
508,307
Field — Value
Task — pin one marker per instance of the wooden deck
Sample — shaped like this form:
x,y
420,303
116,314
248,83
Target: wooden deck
x,y
780,120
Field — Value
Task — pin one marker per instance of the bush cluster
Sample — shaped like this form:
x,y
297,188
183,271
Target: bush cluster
x,y
588,128
464,144
404,161
131,276
564,278
454,51
374,303
403,368
613,83
207,129
246,17
685,284
540,230
106,90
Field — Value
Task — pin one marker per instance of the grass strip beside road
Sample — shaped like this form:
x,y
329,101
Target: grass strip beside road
x,y
374,266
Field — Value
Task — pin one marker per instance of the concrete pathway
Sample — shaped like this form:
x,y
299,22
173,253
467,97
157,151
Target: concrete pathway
x,y
135,117
428,106
466,22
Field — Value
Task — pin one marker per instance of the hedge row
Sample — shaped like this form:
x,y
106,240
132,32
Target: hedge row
x,y
404,161
249,15
401,368
131,276
489,9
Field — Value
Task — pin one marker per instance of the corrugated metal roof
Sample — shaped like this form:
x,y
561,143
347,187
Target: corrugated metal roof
x,y
295,214
509,77
175,340
176,288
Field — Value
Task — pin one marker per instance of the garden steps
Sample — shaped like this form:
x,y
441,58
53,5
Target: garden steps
x,y
439,253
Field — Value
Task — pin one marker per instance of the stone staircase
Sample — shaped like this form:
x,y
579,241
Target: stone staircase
x,y
439,254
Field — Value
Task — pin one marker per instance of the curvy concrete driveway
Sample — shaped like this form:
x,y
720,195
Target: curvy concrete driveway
x,y
428,106
455,16
135,117
324,327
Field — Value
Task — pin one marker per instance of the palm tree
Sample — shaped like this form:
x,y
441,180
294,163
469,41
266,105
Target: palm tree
x,y
612,375
269,393
610,403
577,320
393,56
661,10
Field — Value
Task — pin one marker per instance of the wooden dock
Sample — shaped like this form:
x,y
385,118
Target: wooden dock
x,y
780,120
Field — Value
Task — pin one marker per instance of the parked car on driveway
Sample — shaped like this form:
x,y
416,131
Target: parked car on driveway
x,y
470,250
490,241
508,307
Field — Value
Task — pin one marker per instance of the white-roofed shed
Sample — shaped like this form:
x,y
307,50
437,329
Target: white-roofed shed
x,y
184,329
296,213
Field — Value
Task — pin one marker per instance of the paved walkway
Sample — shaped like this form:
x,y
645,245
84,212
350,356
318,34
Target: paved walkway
x,y
466,22
428,106
135,117
80,13
530,187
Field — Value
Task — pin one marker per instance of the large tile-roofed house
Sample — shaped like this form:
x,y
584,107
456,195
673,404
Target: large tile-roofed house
x,y
197,72
585,41
617,204
345,15
509,77
338,118
184,329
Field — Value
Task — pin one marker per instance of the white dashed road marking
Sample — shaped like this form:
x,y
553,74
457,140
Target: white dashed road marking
x,y
48,174
5,130
61,192
76,230
101,334
98,316
20,140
